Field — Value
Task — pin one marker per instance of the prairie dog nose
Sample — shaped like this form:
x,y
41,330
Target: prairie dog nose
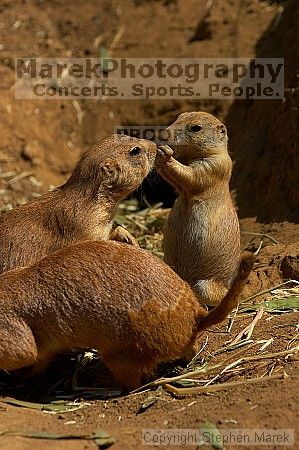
x,y
166,135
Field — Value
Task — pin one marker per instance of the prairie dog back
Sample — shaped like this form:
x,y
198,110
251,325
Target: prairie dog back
x,y
115,298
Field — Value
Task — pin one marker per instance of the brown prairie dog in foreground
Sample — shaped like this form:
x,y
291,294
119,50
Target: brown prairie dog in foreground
x,y
109,296
83,208
202,236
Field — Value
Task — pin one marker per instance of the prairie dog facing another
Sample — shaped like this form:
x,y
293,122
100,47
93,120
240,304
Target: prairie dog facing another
x,y
115,298
202,236
81,209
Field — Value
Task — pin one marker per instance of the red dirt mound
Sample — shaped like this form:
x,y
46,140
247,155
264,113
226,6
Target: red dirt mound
x,y
274,265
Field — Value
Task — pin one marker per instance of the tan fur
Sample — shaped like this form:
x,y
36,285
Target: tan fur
x,y
83,208
118,299
202,237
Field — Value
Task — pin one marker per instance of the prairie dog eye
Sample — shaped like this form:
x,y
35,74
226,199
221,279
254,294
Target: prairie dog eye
x,y
135,151
195,128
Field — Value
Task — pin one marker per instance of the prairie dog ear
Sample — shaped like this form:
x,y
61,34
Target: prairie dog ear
x,y
221,129
107,170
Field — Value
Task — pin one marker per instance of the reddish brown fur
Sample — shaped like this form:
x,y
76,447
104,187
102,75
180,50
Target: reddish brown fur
x,y
83,208
201,237
118,299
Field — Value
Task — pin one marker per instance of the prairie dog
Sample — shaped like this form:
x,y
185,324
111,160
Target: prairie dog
x,y
81,209
116,298
202,236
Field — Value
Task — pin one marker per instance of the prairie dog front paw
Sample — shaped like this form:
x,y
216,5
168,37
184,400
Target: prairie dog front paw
x,y
165,150
164,154
120,234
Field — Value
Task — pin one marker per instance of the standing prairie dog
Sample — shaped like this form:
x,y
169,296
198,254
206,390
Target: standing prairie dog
x,y
83,208
202,236
109,296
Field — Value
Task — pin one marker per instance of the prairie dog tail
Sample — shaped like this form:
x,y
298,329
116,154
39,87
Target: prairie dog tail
x,y
231,299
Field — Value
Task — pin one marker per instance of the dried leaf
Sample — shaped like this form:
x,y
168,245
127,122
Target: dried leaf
x,y
212,435
55,407
275,305
104,56
101,438
150,401
185,383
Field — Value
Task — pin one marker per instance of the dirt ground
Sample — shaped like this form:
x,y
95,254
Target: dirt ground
x,y
41,140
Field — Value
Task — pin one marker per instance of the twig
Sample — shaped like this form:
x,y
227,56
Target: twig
x,y
199,352
269,290
5,158
230,366
97,41
220,386
262,235
247,332
135,222
7,174
293,350
162,381
117,38
209,369
79,111
293,339
266,344
259,247
232,319
20,177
